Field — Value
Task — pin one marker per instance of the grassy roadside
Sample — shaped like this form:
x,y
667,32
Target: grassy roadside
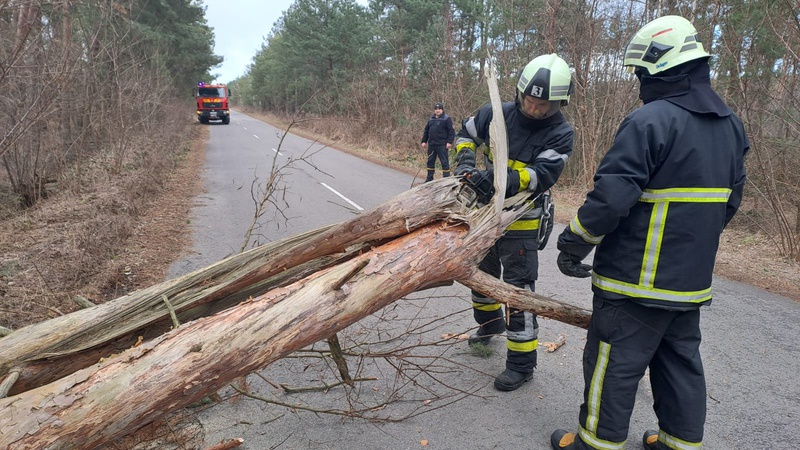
x,y
115,233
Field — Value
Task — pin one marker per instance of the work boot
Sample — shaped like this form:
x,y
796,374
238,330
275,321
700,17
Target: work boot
x,y
480,337
511,380
561,439
650,440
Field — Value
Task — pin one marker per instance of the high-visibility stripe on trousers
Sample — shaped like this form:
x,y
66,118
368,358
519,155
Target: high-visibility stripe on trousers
x,y
518,266
623,340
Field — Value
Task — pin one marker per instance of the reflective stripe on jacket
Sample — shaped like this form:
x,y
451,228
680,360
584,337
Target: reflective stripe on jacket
x,y
663,194
538,150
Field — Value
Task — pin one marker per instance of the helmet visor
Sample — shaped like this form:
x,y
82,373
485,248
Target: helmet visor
x,y
537,108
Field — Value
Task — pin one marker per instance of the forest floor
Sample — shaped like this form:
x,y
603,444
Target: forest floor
x,y
161,235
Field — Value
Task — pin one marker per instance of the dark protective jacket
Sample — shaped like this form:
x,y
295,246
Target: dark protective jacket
x,y
537,153
669,184
439,130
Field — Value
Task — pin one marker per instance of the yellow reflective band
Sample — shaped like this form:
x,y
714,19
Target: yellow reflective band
x,y
595,442
652,249
524,347
639,291
524,179
679,444
576,227
467,144
596,387
521,225
486,306
512,163
687,195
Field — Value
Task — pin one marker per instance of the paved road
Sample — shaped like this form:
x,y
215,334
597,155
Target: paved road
x,y
750,342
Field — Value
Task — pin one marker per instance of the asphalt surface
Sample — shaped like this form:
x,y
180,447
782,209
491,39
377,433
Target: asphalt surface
x,y
422,387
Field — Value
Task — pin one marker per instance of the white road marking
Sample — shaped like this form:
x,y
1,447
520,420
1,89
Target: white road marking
x,y
276,151
343,197
256,137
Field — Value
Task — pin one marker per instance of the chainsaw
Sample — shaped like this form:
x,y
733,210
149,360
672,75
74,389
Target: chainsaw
x,y
477,186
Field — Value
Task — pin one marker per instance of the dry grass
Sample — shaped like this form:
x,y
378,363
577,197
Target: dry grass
x,y
120,233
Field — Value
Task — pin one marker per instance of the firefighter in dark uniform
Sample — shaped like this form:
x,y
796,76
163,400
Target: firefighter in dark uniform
x,y
437,139
669,184
539,144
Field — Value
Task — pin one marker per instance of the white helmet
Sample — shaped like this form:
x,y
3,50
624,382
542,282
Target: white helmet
x,y
662,44
547,77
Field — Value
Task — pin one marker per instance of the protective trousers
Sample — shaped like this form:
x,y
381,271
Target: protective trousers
x,y
438,151
517,260
623,339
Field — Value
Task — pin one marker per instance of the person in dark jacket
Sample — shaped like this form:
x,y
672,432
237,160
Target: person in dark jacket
x,y
539,144
668,186
437,139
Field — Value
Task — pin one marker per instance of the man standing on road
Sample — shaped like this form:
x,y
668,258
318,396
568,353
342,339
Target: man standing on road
x,y
437,139
539,144
669,184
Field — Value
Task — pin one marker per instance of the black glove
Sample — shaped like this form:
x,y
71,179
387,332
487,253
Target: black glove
x,y
571,266
462,170
482,182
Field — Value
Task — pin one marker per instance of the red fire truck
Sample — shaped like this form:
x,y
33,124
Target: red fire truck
x,y
212,102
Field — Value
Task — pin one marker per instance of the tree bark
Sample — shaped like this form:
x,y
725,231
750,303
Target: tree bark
x,y
48,350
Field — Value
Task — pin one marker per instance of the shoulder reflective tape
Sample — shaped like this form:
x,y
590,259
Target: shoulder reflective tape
x,y
576,227
471,128
639,291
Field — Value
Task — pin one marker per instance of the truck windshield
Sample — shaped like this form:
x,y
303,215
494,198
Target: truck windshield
x,y
211,92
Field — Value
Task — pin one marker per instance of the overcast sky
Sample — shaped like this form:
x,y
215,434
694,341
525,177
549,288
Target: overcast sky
x,y
240,27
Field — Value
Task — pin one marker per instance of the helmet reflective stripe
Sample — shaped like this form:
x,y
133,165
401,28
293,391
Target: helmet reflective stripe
x,y
664,43
559,91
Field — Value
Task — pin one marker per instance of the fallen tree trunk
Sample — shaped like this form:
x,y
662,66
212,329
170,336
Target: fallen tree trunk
x,y
49,350
82,410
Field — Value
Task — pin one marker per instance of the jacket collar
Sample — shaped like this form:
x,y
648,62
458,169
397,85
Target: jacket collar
x,y
687,86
